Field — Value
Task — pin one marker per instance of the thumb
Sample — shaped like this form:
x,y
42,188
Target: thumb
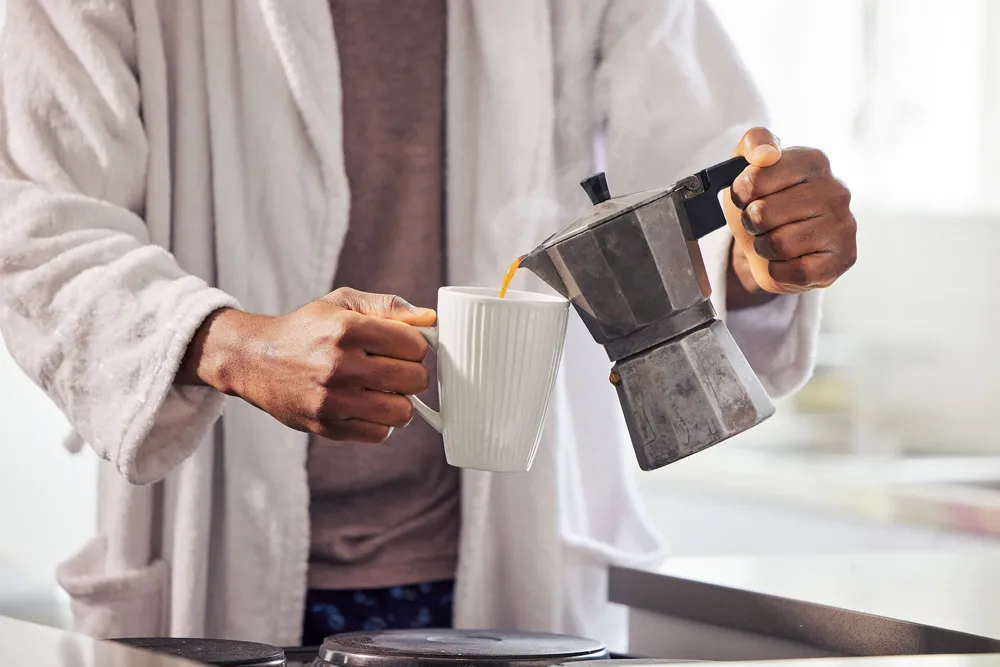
x,y
386,306
759,147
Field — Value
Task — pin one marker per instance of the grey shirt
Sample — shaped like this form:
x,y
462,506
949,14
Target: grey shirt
x,y
388,514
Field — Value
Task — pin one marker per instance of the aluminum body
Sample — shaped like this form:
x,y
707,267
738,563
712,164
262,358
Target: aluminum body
x,y
633,270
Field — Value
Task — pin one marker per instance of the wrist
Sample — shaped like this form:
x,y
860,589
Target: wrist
x,y
221,351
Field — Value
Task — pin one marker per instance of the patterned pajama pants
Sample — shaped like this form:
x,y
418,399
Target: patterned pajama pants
x,y
426,605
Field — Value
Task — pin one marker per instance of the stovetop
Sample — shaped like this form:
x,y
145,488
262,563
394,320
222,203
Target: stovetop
x,y
401,648
306,656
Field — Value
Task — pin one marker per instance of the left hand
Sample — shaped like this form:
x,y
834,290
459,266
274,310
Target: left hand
x,y
790,217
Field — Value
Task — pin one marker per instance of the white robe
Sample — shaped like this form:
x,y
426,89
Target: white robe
x,y
163,158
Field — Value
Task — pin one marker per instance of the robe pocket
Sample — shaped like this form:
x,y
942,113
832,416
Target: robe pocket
x,y
132,603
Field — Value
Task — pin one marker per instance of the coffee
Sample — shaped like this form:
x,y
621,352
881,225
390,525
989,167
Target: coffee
x,y
510,276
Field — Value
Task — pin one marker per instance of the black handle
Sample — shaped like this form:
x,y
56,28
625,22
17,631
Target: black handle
x,y
596,187
703,210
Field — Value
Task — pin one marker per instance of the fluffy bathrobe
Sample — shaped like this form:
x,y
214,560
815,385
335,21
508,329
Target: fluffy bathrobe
x,y
161,159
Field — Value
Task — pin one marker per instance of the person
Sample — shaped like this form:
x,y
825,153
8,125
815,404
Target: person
x,y
179,178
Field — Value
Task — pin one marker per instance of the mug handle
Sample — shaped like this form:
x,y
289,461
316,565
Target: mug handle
x,y
427,413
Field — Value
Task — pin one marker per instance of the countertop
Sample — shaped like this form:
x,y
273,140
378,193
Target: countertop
x,y
949,493
902,661
865,604
40,646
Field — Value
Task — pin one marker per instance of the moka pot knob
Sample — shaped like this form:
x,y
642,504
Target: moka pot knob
x,y
596,187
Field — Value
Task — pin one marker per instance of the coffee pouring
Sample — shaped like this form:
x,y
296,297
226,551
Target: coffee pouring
x,y
632,268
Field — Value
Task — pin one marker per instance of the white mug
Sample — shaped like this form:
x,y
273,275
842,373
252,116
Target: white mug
x,y
497,361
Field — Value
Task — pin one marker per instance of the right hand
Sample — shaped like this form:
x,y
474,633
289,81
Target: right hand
x,y
338,367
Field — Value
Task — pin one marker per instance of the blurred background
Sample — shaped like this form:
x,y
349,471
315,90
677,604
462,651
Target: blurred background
x,y
892,445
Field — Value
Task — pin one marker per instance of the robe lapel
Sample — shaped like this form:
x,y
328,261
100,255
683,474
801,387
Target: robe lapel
x,y
501,172
500,203
303,37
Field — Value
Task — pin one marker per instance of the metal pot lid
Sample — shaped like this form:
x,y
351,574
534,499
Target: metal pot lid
x,y
219,652
605,211
436,647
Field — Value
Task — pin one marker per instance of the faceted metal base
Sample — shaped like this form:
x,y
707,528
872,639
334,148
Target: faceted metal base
x,y
688,394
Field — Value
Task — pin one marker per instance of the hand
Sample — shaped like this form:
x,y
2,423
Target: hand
x,y
790,217
338,367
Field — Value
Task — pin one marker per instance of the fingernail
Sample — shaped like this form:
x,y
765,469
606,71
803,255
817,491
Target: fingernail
x,y
762,152
410,307
400,301
419,311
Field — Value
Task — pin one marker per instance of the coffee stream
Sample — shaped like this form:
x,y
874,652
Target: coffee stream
x,y
510,276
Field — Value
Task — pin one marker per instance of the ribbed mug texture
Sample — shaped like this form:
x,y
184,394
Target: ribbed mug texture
x,y
497,366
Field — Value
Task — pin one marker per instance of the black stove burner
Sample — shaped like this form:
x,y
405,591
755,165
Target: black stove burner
x,y
436,648
217,652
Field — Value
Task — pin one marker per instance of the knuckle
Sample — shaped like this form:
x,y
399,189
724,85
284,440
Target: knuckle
x,y
756,216
383,302
798,274
818,161
423,347
807,275
741,191
334,366
848,230
850,257
772,246
345,328
394,303
754,189
818,158
405,413
843,197
318,405
343,295
378,403
423,379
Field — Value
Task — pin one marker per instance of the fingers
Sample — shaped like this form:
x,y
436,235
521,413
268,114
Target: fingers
x,y
376,336
760,147
356,430
376,407
385,374
798,165
361,415
813,271
385,306
346,411
796,203
796,239
354,415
